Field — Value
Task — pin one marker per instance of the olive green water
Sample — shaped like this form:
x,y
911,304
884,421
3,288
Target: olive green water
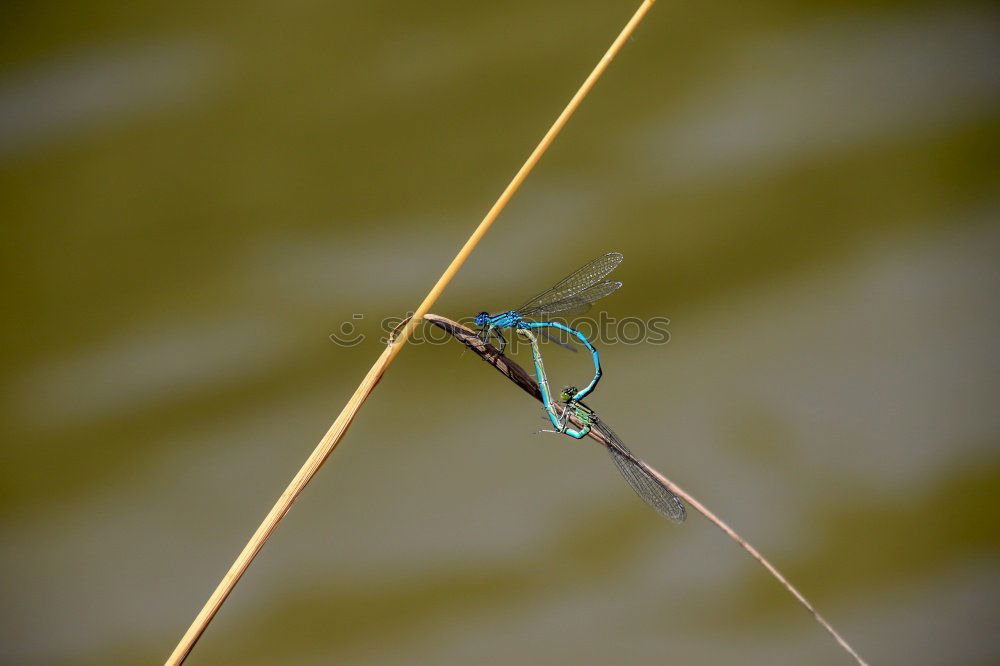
x,y
194,197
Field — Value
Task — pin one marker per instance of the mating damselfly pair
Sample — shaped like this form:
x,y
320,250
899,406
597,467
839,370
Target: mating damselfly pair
x,y
575,294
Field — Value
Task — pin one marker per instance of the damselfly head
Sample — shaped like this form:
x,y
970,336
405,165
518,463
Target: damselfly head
x,y
482,318
567,393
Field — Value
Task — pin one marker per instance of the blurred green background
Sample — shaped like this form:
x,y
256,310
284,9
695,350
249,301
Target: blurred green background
x,y
195,195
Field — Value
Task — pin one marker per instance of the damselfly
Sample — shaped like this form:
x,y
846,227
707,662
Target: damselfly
x,y
636,472
572,295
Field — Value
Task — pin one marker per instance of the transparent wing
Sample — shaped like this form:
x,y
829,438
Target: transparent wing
x,y
574,283
646,486
577,303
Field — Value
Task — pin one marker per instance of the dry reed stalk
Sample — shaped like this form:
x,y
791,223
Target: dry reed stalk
x,y
514,372
343,421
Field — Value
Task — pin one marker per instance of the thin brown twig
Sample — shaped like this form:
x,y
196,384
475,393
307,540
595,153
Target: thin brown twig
x,y
336,432
525,382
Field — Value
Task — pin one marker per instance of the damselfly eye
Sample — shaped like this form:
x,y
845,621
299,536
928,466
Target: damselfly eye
x,y
568,393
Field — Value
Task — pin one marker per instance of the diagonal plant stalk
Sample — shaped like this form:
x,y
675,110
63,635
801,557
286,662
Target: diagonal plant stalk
x,y
347,414
526,382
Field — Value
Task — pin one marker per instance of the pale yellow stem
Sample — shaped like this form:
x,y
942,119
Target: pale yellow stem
x,y
339,427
